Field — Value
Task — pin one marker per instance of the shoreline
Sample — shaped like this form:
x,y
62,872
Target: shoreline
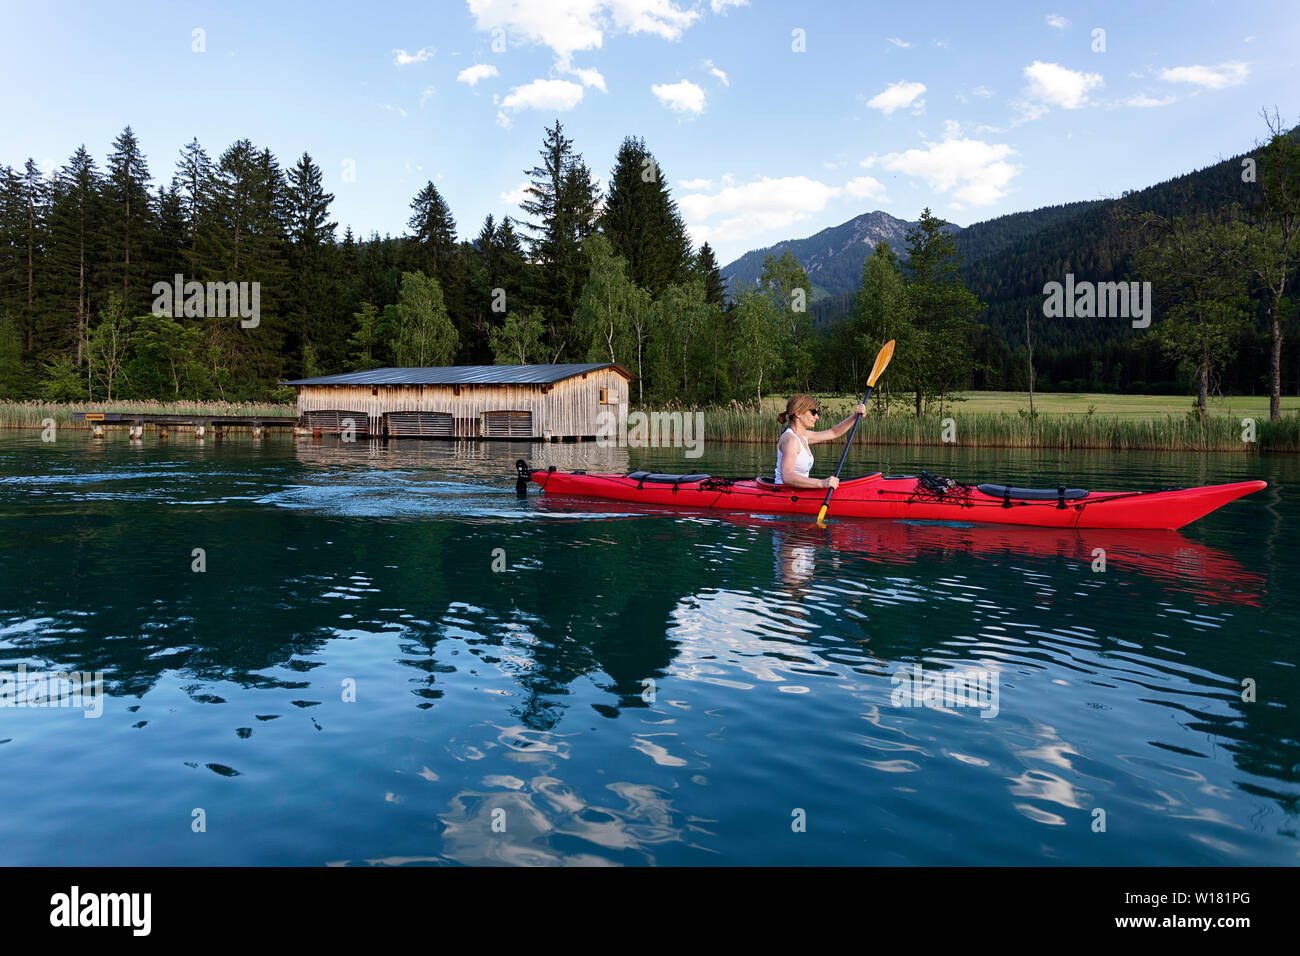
x,y
1217,432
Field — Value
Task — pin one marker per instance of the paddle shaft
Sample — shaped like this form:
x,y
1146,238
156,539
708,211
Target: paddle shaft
x,y
845,453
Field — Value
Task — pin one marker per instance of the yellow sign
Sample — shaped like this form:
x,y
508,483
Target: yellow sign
x,y
94,416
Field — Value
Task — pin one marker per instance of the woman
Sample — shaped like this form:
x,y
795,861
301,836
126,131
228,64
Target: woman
x,y
794,458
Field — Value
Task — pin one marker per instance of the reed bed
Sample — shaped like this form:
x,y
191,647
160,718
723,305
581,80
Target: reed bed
x,y
740,423
32,414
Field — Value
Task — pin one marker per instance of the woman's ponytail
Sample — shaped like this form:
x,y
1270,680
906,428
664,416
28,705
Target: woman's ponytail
x,y
796,404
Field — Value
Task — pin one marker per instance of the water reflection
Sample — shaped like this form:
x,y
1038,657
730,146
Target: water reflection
x,y
626,666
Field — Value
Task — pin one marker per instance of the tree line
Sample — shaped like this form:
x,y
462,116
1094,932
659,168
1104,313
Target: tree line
x,y
82,247
587,273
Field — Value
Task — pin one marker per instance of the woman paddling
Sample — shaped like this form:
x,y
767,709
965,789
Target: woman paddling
x,y
794,458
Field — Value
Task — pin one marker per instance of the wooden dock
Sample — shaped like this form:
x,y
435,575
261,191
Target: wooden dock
x,y
201,424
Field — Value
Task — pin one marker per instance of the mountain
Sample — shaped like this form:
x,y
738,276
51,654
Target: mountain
x,y
1006,262
832,258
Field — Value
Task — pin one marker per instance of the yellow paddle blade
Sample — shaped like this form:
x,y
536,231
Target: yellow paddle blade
x,y
820,515
882,360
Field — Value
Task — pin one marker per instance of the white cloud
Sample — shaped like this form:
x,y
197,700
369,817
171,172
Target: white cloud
x,y
716,72
899,43
550,95
1208,77
720,6
1142,100
426,93
588,76
1051,84
897,96
753,208
975,172
865,187
683,97
479,71
569,26
402,58
696,184
393,109
982,91
516,195
1057,21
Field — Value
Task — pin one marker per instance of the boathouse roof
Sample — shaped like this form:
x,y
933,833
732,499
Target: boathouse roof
x,y
464,375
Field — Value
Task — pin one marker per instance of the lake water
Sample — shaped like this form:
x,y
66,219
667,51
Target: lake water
x,y
388,657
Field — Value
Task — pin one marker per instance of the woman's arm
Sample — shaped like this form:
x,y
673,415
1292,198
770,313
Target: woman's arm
x,y
836,430
789,451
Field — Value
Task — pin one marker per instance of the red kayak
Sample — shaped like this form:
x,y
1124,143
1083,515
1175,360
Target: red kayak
x,y
920,498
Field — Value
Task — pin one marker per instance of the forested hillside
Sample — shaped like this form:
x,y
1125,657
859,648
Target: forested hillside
x,y
608,272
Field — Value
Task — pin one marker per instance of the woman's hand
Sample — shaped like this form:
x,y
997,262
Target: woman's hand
x,y
860,410
831,482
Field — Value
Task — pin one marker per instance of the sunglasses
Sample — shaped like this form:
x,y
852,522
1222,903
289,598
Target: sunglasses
x,y
815,412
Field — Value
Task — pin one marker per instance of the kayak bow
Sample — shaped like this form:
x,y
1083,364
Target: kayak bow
x,y
922,498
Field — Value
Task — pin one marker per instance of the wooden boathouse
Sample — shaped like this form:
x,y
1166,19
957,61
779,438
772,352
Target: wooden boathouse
x,y
539,402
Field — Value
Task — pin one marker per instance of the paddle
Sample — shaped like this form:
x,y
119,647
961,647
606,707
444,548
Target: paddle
x,y
882,360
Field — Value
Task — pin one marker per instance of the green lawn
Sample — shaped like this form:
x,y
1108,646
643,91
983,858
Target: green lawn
x,y
1124,407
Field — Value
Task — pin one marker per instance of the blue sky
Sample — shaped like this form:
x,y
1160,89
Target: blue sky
x,y
974,112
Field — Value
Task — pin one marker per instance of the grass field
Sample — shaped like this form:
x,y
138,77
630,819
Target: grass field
x,y
1123,407
1061,421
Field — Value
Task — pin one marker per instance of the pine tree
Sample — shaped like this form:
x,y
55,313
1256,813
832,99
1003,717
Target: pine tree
x,y
14,378
192,181
434,229
126,189
562,201
76,224
311,237
707,270
34,212
641,220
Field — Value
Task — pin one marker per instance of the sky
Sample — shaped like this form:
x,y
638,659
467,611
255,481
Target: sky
x,y
770,120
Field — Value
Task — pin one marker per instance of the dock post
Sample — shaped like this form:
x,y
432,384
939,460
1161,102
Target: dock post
x,y
217,431
162,432
97,430
257,431
137,431
198,432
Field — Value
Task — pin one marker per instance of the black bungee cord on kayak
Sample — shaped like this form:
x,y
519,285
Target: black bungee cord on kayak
x,y
936,488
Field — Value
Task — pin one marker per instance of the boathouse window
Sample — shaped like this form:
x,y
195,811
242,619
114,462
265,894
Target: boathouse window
x,y
604,396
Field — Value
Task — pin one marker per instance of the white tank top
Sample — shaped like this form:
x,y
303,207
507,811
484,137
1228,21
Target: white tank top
x,y
803,461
